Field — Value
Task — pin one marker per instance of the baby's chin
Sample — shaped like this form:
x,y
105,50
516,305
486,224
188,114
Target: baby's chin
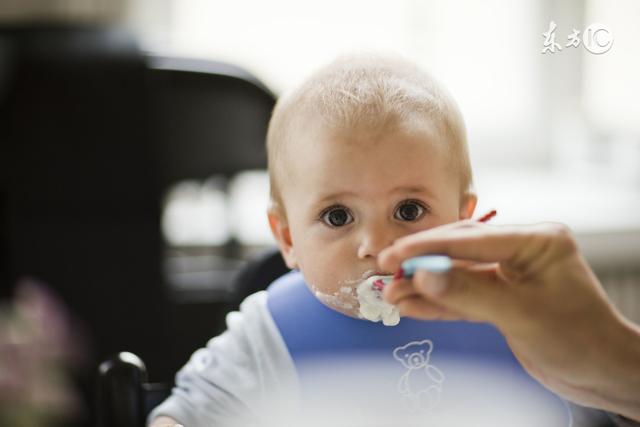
x,y
360,300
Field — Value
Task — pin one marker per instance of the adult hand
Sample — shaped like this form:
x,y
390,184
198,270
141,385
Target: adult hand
x,y
532,283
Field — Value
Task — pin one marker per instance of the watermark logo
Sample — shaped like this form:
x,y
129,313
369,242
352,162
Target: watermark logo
x,y
596,38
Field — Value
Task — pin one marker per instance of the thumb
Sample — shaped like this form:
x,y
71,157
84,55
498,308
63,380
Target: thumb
x,y
478,294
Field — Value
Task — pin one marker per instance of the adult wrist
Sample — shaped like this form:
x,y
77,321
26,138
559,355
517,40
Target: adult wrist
x,y
621,374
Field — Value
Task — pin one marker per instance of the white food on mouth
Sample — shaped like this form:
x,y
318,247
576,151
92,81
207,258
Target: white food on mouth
x,y
373,307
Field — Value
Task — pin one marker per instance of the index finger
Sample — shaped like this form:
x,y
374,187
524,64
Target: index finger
x,y
473,241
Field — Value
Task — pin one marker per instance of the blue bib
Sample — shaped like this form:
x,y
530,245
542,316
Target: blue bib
x,y
413,348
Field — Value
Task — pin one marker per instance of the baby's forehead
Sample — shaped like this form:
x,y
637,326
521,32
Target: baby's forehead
x,y
349,157
359,140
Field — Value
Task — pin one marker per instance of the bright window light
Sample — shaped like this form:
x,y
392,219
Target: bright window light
x,y
195,214
248,202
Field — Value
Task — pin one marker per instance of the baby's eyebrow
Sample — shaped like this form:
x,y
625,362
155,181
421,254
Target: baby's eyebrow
x,y
337,195
412,189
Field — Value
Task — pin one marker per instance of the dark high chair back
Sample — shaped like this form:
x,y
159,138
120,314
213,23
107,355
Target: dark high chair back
x,y
207,118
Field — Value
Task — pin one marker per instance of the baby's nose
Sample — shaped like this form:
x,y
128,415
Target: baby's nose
x,y
372,242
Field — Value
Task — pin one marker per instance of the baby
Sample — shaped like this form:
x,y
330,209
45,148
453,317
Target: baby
x,y
367,150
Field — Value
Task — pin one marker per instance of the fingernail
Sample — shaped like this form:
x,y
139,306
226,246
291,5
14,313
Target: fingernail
x,y
432,284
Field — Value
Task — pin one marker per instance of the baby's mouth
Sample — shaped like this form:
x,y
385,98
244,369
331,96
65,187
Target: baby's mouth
x,y
371,305
362,298
366,275
381,273
378,279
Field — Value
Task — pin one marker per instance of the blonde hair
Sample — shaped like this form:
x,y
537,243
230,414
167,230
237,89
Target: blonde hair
x,y
367,93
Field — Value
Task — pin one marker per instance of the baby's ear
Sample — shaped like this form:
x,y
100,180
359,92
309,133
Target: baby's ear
x,y
468,204
282,234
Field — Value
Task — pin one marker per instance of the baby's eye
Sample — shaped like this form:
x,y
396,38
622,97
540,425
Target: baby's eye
x,y
409,211
337,217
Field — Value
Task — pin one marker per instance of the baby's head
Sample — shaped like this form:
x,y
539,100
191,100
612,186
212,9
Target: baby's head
x,y
365,151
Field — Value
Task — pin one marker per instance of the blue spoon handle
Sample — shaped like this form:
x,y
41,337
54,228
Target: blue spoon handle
x,y
431,263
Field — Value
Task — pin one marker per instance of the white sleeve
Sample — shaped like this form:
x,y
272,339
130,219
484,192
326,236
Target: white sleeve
x,y
237,372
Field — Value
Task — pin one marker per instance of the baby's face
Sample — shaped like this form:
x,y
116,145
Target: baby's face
x,y
347,198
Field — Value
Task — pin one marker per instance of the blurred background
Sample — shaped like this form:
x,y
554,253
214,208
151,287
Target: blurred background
x,y
132,166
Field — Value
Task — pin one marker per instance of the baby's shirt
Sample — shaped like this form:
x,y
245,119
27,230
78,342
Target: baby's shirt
x,y
237,373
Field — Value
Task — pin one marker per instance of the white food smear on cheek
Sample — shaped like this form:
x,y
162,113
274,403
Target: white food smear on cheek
x,y
340,299
373,307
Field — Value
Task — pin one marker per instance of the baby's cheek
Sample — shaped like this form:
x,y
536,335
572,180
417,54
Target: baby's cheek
x,y
328,290
325,271
321,274
344,300
328,284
